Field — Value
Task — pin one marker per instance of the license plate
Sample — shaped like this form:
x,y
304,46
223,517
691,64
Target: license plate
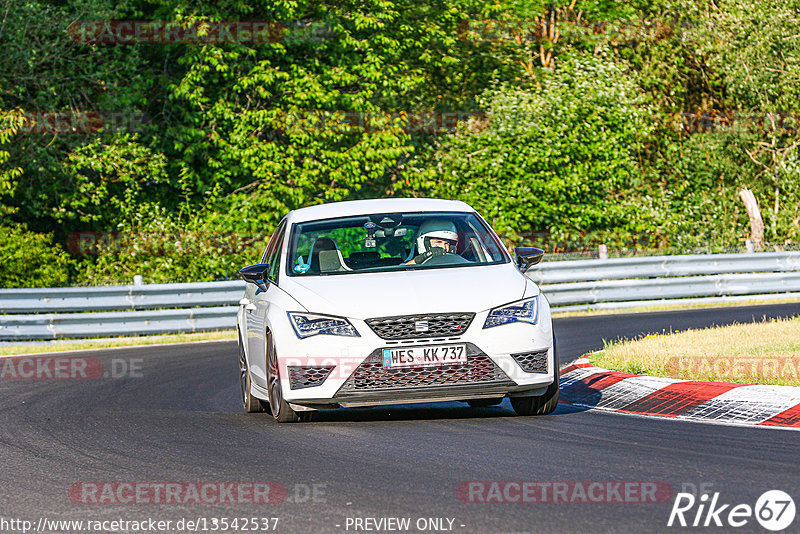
x,y
425,356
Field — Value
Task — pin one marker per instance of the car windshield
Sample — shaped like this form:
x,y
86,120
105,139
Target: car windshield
x,y
391,242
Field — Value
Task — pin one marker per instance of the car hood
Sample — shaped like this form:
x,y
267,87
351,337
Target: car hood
x,y
365,295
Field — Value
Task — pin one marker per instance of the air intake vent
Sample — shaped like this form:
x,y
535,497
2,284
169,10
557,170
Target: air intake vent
x,y
305,376
371,375
532,362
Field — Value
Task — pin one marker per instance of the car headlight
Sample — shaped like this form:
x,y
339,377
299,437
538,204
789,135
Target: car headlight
x,y
522,311
307,325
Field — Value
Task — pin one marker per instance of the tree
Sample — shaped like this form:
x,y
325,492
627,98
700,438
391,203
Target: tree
x,y
557,158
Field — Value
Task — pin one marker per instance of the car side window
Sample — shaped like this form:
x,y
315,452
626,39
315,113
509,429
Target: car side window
x,y
271,244
273,254
266,253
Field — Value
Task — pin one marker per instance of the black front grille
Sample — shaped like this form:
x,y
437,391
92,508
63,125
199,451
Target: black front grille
x,y
532,362
371,375
421,326
307,376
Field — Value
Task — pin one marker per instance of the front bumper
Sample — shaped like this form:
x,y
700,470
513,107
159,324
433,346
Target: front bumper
x,y
357,378
413,395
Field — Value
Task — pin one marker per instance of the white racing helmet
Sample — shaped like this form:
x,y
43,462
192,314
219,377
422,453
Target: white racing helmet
x,y
436,229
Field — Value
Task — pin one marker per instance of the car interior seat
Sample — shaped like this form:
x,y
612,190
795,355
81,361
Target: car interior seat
x,y
325,257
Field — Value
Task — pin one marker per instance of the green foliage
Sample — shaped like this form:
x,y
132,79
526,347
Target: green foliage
x,y
554,158
752,47
111,181
582,135
44,74
31,259
163,247
10,123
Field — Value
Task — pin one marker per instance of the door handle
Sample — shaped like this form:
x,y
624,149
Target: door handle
x,y
247,304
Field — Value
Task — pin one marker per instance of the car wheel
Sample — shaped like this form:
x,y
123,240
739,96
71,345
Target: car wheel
x,y
543,404
484,403
250,403
281,410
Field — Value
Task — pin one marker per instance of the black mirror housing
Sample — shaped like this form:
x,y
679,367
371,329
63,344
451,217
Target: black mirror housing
x,y
527,257
256,274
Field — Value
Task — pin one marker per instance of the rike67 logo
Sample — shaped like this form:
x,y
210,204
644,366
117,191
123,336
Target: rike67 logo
x,y
774,510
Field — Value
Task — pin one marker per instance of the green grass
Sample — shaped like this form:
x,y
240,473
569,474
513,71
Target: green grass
x,y
767,352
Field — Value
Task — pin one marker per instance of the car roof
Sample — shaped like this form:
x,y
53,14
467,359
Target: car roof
x,y
380,205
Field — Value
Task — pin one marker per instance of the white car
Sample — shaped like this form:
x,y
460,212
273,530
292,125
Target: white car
x,y
376,302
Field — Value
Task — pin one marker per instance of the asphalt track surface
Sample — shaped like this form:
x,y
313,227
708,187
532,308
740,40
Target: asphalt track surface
x,y
181,421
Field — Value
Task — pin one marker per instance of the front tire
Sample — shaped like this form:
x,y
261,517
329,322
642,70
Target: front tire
x,y
281,410
543,404
250,403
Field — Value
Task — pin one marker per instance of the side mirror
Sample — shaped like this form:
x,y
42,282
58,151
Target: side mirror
x,y
256,274
527,257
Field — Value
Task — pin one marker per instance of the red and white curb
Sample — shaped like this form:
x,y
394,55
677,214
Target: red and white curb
x,y
586,386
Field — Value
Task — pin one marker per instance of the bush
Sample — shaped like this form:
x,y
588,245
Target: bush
x,y
554,158
163,247
29,259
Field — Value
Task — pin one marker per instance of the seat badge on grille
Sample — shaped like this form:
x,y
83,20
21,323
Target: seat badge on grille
x,y
421,326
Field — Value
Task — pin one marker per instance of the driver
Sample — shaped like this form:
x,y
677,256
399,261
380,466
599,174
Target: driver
x,y
435,238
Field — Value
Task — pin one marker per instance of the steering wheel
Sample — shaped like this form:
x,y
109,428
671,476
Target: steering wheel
x,y
448,258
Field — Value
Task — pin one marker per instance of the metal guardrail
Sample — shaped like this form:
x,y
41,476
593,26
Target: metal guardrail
x,y
141,297
84,325
663,266
48,314
719,285
688,279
